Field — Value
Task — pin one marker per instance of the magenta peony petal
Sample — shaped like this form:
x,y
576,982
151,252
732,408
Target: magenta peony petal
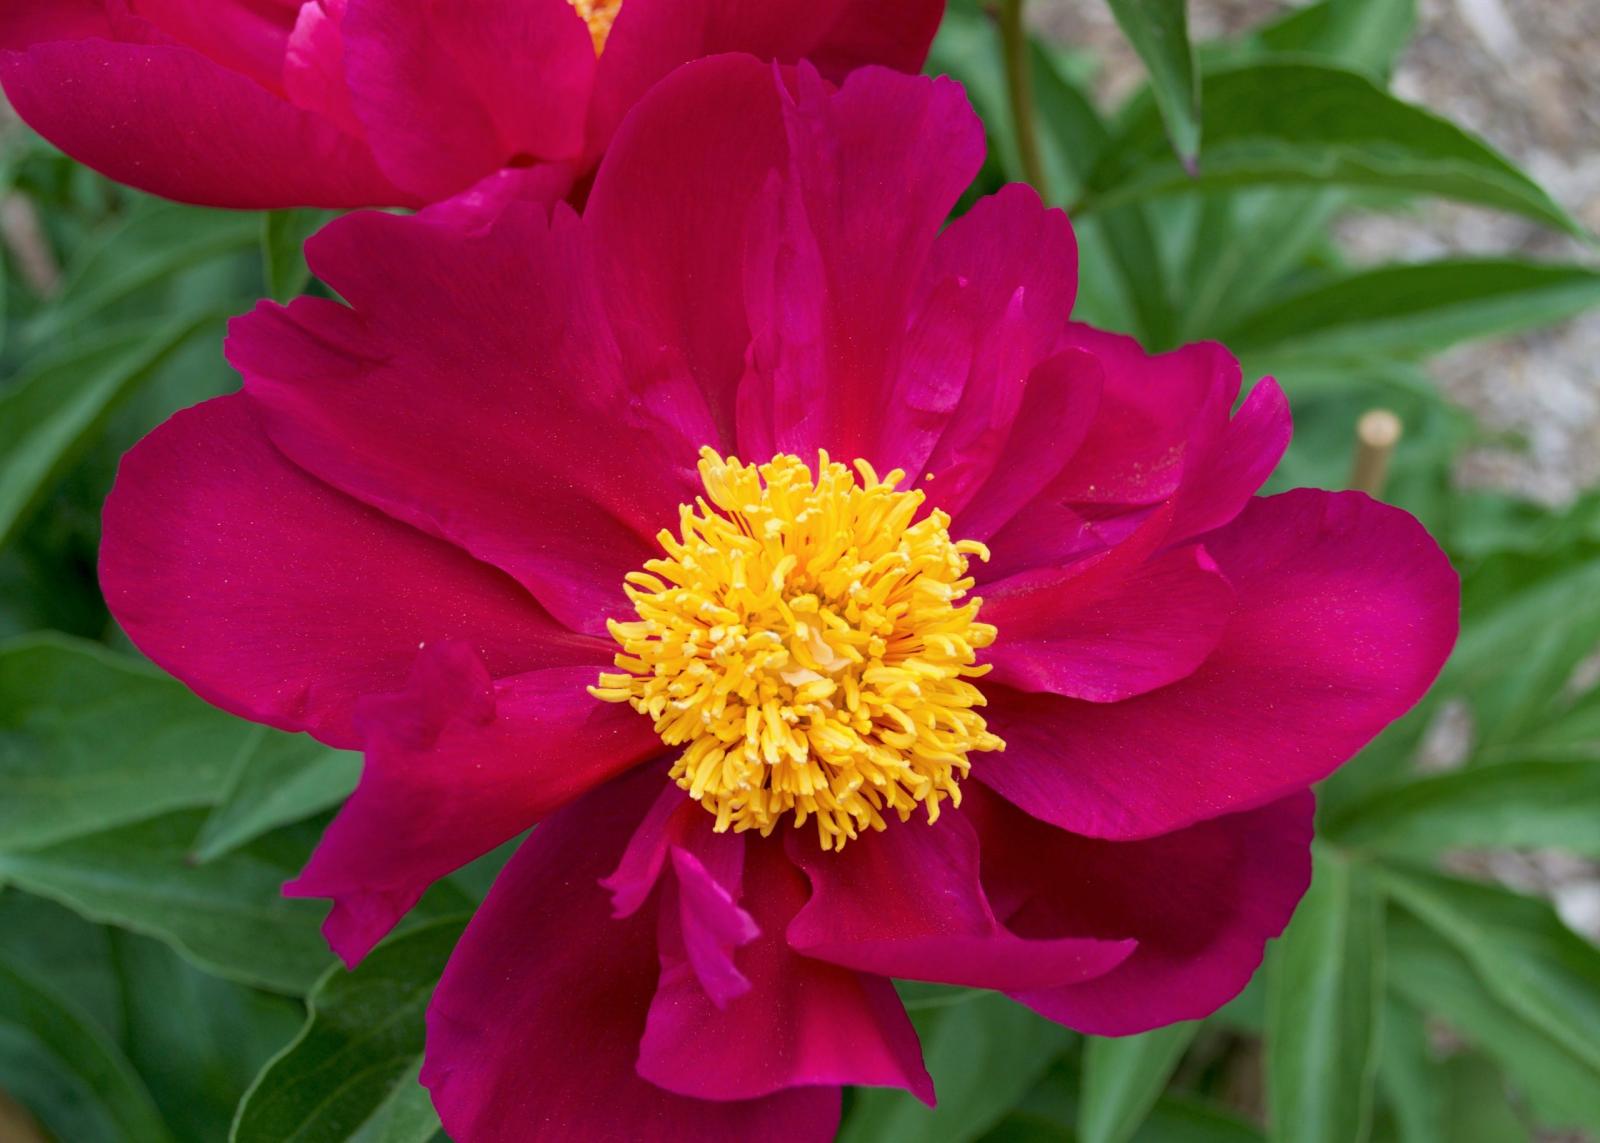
x,y
803,1022
1346,609
1015,267
534,1029
670,206
1201,903
483,401
450,92
326,600
1110,627
176,128
245,36
313,65
707,925
827,323
458,763
894,33
24,23
907,903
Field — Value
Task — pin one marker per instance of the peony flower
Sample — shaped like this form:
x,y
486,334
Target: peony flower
x,y
840,611
347,103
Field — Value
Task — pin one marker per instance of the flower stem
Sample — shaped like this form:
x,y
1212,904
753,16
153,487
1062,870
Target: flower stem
x,y
1019,89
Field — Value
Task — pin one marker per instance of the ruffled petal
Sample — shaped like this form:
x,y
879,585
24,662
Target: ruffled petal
x,y
894,33
451,92
246,36
1201,903
803,1021
483,401
827,323
669,210
180,131
1346,610
326,599
1108,628
907,903
24,23
458,763
535,1026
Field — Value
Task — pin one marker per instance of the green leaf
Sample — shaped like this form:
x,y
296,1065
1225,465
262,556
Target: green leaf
x,y
1367,35
1301,123
1122,1078
1324,987
1436,977
1159,32
229,917
102,1099
351,1073
983,1052
283,239
198,1041
146,259
1507,805
277,779
1416,309
1408,1076
1526,957
90,740
50,414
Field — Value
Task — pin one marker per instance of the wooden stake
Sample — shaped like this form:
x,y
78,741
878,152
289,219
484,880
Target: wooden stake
x,y
1377,433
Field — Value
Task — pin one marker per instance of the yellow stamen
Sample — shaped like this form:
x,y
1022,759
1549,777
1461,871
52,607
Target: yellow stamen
x,y
808,643
599,15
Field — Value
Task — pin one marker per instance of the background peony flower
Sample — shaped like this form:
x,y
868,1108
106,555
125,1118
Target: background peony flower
x,y
345,103
409,530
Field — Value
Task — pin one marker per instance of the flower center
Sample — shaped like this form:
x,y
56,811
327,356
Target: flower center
x,y
807,641
598,14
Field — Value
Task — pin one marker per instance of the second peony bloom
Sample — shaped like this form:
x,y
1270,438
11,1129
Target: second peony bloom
x,y
839,610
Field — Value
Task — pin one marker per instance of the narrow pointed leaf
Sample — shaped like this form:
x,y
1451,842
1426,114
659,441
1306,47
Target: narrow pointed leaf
x,y
1123,1078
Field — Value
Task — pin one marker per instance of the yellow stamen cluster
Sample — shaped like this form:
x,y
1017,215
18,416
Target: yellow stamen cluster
x,y
599,15
807,642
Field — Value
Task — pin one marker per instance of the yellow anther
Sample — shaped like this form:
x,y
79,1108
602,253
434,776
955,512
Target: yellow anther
x,y
599,15
808,642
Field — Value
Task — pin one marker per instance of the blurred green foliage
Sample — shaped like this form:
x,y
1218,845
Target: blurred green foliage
x,y
155,986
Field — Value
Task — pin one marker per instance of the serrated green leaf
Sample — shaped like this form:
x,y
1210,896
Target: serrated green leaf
x,y
228,917
1434,976
277,779
1122,1079
1509,805
48,416
983,1052
351,1073
1525,956
1289,123
107,1101
90,740
1416,309
1159,32
1324,988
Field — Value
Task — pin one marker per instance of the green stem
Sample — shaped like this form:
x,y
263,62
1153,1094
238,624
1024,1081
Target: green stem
x,y
1019,89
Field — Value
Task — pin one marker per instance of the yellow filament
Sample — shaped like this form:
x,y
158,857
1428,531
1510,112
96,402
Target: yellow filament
x,y
808,643
599,15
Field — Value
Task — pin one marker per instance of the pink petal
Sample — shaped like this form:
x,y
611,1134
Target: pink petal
x,y
177,127
703,924
483,401
24,23
283,601
1346,611
895,33
452,92
1201,903
827,322
803,1022
1057,408
458,763
534,1029
1233,465
245,36
313,65
1108,629
1015,264
907,903
671,205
